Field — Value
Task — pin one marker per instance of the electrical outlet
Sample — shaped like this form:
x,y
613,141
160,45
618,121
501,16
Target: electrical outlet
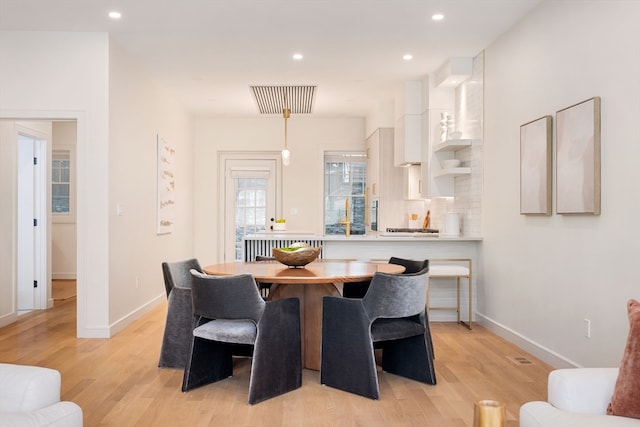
x,y
587,328
137,282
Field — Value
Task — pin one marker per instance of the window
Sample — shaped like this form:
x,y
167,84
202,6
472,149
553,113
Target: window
x,y
344,178
251,208
61,182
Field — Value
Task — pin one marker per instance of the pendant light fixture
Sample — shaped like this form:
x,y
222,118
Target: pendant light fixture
x,y
285,100
286,154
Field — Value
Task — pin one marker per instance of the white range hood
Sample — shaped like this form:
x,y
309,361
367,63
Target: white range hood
x,y
408,126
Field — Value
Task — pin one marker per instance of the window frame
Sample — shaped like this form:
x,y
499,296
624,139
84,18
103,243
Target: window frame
x,y
341,157
64,217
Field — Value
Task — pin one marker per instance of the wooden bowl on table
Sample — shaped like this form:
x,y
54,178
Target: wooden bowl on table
x,y
296,255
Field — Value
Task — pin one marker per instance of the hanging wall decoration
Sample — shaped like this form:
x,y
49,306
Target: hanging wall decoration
x,y
535,167
166,187
578,158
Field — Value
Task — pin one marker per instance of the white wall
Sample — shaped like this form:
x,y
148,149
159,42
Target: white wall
x,y
544,275
139,111
303,184
119,112
59,75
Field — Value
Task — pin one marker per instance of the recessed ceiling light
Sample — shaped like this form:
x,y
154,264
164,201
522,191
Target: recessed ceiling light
x,y
297,56
407,57
437,17
115,15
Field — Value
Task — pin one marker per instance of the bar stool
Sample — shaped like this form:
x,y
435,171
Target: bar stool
x,y
446,268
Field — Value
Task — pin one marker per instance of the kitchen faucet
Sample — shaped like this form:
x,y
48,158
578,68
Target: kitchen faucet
x,y
347,221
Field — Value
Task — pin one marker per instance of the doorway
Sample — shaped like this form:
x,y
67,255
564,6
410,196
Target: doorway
x,y
250,184
40,123
33,246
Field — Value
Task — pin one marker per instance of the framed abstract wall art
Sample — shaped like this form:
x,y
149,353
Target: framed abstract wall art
x,y
578,158
535,167
166,187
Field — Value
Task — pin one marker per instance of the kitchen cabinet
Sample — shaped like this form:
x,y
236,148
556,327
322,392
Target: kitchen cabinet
x,y
383,179
407,146
373,164
408,124
412,182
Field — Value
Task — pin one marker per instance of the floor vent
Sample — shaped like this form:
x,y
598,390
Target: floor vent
x,y
520,360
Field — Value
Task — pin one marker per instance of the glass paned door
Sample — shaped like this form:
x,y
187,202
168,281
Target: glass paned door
x,y
250,201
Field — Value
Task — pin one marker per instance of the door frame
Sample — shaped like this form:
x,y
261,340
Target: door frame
x,y
223,158
84,328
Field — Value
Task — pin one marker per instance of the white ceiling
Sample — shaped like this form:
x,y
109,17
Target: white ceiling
x,y
208,52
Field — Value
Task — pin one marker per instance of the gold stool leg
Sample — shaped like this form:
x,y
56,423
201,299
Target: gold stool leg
x,y
458,296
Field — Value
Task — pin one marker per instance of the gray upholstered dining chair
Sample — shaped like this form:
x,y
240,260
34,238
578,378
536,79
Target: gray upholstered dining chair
x,y
229,312
391,316
177,329
265,288
411,266
359,289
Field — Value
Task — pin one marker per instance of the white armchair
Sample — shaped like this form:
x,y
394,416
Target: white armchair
x,y
576,397
30,397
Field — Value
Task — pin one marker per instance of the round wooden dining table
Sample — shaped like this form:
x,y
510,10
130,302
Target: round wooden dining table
x,y
310,284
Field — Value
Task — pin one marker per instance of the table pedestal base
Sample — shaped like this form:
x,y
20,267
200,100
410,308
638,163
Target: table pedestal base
x,y
310,296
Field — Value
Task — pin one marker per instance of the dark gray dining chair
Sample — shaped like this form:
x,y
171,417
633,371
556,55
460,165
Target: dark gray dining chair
x,y
177,329
359,289
412,266
265,288
229,312
392,317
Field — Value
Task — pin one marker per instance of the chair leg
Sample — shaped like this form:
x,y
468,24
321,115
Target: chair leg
x,y
177,332
409,358
428,336
458,296
208,362
277,358
348,360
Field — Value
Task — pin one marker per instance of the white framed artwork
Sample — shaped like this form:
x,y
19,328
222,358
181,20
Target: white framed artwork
x,y
578,158
166,187
535,167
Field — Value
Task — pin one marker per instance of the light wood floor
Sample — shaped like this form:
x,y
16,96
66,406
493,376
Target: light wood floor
x,y
117,382
62,289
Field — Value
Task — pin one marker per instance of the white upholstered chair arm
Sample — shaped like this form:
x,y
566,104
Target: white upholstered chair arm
x,y
582,390
577,398
25,388
30,396
61,414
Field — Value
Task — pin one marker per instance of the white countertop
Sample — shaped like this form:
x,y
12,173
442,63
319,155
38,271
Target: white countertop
x,y
377,237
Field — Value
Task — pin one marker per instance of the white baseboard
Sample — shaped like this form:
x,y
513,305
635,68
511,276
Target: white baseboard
x,y
125,321
63,276
8,319
548,356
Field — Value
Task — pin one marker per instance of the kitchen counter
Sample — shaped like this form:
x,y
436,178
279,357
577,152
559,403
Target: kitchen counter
x,y
380,247
382,237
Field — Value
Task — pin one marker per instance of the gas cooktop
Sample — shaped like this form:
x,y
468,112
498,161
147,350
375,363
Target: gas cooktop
x,y
411,230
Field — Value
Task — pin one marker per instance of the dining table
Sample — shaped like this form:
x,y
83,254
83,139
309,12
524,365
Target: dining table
x,y
310,284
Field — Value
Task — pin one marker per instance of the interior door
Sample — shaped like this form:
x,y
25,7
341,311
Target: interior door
x,y
32,222
250,198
